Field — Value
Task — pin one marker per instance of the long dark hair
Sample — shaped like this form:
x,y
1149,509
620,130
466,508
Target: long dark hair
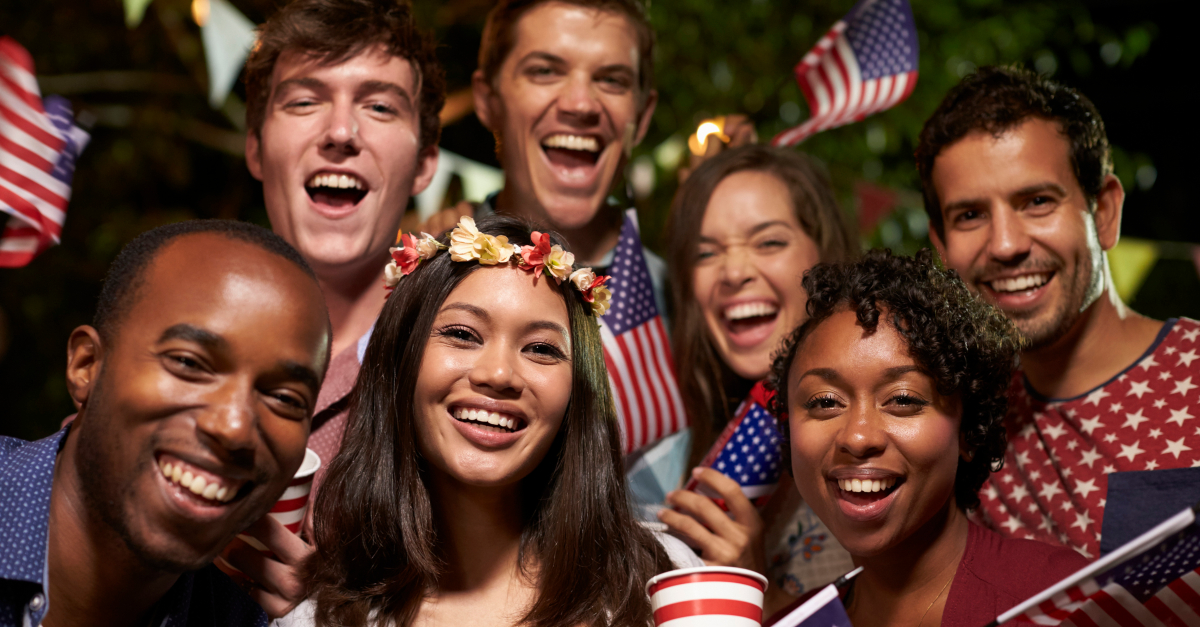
x,y
707,385
377,545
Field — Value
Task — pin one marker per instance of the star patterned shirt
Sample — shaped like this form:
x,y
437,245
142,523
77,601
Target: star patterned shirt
x,y
1060,451
204,598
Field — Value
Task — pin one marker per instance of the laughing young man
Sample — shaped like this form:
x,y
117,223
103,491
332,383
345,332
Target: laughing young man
x,y
195,389
1023,204
342,102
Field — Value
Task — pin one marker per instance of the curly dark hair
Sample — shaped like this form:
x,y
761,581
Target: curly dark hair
x,y
997,99
968,347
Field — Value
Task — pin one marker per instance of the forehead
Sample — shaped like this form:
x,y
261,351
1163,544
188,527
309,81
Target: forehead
x,y
982,164
746,199
841,343
373,63
224,285
511,295
573,31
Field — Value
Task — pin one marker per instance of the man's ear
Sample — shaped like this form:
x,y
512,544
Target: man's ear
x,y
645,116
1109,204
254,154
938,244
487,105
85,355
427,162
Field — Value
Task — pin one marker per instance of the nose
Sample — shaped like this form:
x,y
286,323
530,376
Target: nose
x,y
230,421
1009,241
737,268
863,435
341,134
578,99
498,369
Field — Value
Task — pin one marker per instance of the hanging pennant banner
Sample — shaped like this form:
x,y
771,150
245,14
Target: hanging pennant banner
x,y
228,37
135,10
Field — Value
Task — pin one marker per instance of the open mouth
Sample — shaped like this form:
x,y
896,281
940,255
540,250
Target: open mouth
x,y
750,323
336,190
204,486
862,492
490,421
1019,284
573,151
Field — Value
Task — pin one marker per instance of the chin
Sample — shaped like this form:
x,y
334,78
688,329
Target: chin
x,y
570,212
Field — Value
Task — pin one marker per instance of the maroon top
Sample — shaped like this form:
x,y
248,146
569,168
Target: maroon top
x,y
993,576
997,573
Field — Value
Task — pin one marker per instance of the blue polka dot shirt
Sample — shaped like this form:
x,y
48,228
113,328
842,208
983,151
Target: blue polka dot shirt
x,y
202,598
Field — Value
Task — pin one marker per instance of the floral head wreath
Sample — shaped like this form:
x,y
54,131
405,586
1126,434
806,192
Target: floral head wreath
x,y
468,244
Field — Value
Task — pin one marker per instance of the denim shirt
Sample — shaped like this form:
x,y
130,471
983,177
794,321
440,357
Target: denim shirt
x,y
201,598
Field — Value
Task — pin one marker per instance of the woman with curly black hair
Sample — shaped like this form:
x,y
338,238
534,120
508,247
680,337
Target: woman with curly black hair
x,y
894,390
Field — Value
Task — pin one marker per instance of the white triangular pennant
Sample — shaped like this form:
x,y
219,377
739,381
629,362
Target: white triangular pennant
x,y
228,37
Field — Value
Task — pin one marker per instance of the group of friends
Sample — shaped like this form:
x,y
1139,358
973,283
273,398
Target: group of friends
x,y
948,425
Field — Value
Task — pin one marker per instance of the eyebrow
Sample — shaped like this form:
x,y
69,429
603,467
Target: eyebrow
x,y
553,58
482,313
368,87
829,374
1024,191
217,344
755,230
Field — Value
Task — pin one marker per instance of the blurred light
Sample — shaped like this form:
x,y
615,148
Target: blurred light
x,y
722,77
918,222
876,138
698,142
200,10
1111,52
1146,175
962,68
1046,63
668,153
641,176
789,112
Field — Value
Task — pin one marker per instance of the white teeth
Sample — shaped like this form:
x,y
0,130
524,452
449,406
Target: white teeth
x,y
750,310
572,142
1020,283
197,484
866,485
486,417
336,181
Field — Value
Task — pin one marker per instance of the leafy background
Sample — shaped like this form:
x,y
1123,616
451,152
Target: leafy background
x,y
159,153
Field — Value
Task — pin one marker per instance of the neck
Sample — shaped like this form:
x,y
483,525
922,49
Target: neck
x,y
589,242
354,296
902,585
480,533
94,579
1106,339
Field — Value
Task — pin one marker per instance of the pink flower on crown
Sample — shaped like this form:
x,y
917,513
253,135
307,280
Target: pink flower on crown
x,y
533,258
593,290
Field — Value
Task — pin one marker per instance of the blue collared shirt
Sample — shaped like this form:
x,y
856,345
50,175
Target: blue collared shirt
x,y
201,598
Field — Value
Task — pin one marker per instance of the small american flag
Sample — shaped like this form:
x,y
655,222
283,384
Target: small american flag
x,y
39,144
865,64
636,352
1150,582
748,450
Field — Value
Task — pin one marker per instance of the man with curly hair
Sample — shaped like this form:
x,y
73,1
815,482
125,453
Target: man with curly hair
x,y
1023,203
342,103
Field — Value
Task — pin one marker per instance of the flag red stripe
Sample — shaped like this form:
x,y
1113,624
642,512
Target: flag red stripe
x,y
27,184
34,131
1186,593
25,154
705,578
635,392
651,383
707,607
670,390
1114,609
1162,612
621,402
13,52
23,207
32,100
1081,619
678,413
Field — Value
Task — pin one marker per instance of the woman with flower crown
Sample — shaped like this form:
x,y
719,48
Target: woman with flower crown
x,y
480,477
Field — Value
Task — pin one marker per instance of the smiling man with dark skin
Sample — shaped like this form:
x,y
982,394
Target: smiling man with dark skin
x,y
1023,203
195,387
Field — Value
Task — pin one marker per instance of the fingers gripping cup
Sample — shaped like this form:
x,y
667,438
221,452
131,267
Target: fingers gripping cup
x,y
709,596
291,507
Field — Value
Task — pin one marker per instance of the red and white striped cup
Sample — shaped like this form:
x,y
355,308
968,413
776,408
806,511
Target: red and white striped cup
x,y
709,596
290,507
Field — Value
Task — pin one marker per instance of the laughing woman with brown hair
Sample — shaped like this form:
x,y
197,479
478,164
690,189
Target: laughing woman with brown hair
x,y
480,480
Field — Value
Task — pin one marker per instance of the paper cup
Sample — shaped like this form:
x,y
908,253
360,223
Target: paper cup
x,y
291,507
709,596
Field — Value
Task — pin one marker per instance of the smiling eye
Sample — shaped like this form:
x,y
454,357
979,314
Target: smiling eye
x,y
459,334
545,351
823,402
383,109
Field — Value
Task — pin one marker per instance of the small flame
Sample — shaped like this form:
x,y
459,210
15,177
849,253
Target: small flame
x,y
200,10
706,129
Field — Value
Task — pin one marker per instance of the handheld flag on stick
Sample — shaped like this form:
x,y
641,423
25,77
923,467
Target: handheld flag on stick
x,y
823,609
641,369
38,146
865,64
747,451
1152,581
